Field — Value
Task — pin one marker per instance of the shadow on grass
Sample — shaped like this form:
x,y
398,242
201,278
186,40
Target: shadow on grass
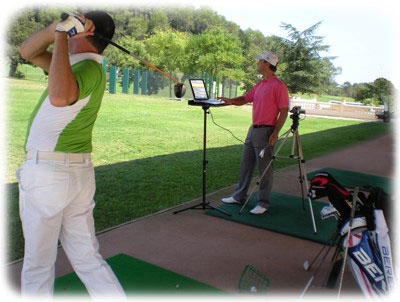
x,y
136,188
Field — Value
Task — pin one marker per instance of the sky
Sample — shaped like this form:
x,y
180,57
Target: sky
x,y
362,35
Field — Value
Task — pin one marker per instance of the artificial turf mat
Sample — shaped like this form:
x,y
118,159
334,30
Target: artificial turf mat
x,y
355,179
138,277
285,215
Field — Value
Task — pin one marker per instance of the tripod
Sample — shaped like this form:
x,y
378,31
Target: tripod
x,y
204,205
296,144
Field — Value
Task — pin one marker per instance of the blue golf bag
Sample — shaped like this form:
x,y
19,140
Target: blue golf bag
x,y
369,250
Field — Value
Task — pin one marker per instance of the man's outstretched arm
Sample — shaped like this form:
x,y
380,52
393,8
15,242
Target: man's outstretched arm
x,y
239,101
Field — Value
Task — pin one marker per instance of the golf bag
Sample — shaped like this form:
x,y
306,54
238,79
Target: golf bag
x,y
369,251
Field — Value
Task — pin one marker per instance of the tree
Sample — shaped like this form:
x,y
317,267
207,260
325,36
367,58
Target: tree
x,y
117,57
129,23
363,93
205,18
346,88
382,89
214,51
20,28
166,49
254,44
158,21
181,19
305,70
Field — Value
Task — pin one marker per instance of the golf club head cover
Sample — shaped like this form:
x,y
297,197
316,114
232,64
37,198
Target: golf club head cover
x,y
71,24
323,184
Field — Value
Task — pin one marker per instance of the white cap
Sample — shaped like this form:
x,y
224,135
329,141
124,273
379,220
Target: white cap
x,y
270,57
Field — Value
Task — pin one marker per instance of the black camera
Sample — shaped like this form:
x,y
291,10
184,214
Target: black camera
x,y
295,116
297,110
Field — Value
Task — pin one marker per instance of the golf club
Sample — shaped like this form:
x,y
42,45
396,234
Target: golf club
x,y
307,266
179,88
316,271
353,210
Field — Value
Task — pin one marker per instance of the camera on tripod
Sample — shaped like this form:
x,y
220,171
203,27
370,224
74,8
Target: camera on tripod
x,y
296,110
295,116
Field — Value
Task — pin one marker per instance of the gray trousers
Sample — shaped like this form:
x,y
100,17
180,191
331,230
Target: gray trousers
x,y
256,140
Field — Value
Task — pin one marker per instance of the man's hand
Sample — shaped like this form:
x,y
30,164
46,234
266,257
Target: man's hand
x,y
239,101
75,26
281,120
72,25
273,139
225,100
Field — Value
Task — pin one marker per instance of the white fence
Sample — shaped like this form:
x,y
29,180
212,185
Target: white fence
x,y
337,110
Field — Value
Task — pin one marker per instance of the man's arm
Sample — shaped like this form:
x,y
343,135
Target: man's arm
x,y
34,49
281,121
239,101
63,88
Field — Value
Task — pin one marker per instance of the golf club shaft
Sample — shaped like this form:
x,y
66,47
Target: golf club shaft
x,y
353,210
331,243
136,57
315,273
64,16
316,257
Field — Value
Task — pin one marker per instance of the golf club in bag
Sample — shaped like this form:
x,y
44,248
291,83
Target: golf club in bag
x,y
364,234
179,88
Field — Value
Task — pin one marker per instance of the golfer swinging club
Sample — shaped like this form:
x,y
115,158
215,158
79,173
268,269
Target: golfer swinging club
x,y
270,108
56,181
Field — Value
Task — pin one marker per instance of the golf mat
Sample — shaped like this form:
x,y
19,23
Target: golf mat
x,y
137,277
285,215
352,179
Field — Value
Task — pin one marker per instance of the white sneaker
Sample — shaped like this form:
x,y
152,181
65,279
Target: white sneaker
x,y
258,210
230,200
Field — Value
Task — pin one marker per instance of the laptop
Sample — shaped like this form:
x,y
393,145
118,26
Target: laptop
x,y
200,94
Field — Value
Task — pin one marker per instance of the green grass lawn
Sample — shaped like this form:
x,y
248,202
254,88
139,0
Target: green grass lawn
x,y
148,152
325,98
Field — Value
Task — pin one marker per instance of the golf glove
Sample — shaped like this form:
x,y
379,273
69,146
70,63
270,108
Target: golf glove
x,y
72,25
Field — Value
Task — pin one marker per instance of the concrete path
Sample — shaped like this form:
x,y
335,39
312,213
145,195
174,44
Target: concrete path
x,y
215,251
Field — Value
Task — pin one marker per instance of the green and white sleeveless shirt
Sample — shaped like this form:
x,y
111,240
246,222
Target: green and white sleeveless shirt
x,y
69,129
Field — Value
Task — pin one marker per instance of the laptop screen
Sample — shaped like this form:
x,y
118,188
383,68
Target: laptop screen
x,y
199,89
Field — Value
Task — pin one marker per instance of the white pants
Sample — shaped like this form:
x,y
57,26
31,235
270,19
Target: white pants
x,y
56,203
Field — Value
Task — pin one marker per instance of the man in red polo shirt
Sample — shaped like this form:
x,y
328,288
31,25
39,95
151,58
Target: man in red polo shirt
x,y
270,108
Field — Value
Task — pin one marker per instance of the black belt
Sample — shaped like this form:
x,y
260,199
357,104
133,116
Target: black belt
x,y
263,126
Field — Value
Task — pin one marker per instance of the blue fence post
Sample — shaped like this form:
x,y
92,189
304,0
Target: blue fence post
x,y
104,66
125,80
136,75
113,79
144,82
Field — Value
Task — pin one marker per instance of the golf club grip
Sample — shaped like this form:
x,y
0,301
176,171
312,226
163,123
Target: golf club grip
x,y
136,57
